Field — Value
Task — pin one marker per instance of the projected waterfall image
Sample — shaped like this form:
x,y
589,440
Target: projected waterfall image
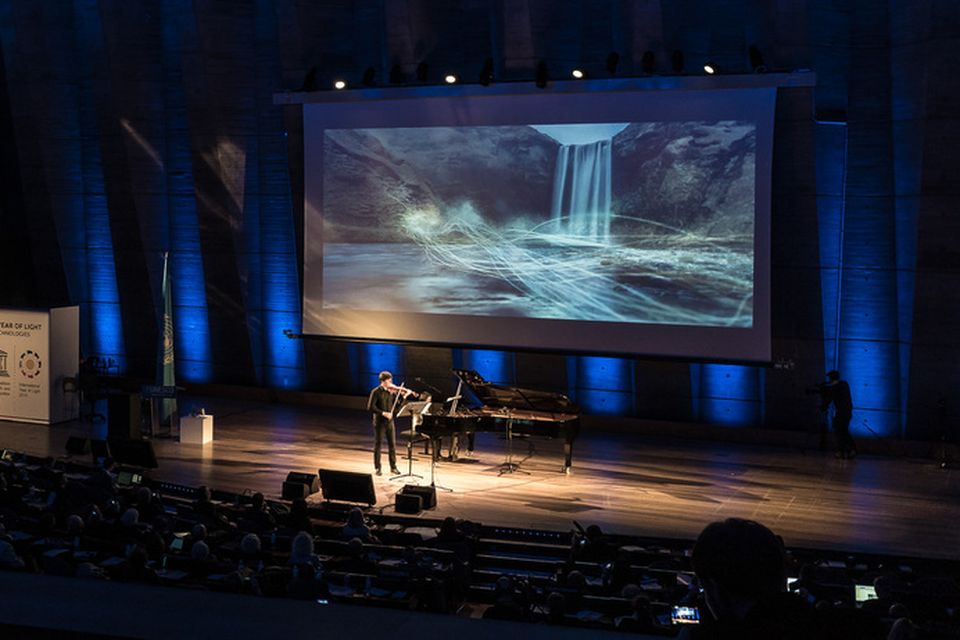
x,y
637,222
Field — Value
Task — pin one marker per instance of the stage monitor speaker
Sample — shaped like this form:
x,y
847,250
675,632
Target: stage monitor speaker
x,y
409,503
294,490
345,486
76,445
136,453
123,416
427,494
309,479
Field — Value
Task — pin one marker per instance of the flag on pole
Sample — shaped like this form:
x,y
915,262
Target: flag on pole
x,y
166,375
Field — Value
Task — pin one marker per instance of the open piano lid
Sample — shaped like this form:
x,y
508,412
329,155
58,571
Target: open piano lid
x,y
524,401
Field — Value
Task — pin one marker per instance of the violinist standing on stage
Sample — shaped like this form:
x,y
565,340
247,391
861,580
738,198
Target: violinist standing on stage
x,y
385,400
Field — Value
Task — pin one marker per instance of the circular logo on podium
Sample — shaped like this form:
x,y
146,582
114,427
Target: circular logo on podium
x,y
30,364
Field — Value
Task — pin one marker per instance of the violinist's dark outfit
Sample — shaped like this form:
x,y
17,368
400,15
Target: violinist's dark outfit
x,y
382,400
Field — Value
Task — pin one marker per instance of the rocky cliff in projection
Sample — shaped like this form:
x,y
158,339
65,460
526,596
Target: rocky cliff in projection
x,y
374,176
696,177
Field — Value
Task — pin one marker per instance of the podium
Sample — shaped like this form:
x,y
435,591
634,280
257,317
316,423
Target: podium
x,y
39,353
196,429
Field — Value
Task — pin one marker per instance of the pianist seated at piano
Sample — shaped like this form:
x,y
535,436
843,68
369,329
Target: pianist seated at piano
x,y
526,411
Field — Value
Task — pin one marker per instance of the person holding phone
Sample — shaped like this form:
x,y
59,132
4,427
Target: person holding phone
x,y
741,566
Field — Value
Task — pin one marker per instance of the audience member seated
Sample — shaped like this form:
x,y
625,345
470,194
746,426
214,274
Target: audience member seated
x,y
250,549
301,551
507,602
199,551
197,534
299,519
148,506
448,531
356,527
136,566
593,545
556,608
741,567
258,514
641,618
209,513
356,560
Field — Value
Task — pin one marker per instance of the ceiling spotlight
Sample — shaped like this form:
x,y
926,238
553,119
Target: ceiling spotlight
x,y
423,72
486,73
577,73
710,68
613,60
648,63
396,74
450,78
542,74
676,61
339,84
368,77
756,59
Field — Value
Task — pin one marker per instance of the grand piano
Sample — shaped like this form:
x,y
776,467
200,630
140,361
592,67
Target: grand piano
x,y
511,411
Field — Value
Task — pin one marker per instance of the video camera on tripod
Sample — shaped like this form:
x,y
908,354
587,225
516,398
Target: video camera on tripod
x,y
816,389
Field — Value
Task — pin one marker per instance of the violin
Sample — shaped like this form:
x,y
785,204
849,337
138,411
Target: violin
x,y
405,392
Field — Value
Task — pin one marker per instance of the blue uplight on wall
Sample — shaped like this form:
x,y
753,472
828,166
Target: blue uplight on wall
x,y
190,319
494,366
106,322
283,359
860,300
601,385
374,358
726,394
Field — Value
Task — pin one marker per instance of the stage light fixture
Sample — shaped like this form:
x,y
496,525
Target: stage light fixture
x,y
756,59
396,74
450,78
423,72
577,73
676,61
486,72
709,68
613,61
368,77
339,84
542,74
648,63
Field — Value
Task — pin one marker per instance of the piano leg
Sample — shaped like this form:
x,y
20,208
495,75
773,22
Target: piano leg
x,y
572,430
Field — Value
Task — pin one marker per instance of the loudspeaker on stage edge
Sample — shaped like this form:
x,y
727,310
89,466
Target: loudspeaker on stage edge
x,y
428,495
408,503
309,479
294,490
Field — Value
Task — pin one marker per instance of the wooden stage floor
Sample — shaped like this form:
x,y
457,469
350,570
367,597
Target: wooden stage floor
x,y
625,482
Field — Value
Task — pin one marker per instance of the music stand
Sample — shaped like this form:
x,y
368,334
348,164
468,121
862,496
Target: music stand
x,y
414,410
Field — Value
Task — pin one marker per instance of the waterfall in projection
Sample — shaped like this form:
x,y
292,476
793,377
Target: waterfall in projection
x,y
581,190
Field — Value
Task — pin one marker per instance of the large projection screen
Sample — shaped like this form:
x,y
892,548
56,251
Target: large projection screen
x,y
598,221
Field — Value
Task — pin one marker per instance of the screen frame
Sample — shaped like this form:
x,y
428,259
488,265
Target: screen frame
x,y
716,344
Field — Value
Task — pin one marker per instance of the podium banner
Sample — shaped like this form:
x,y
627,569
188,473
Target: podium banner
x,y
24,383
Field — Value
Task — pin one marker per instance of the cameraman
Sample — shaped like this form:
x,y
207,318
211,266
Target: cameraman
x,y
837,392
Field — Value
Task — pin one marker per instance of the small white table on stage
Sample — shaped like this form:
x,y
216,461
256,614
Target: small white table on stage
x,y
196,429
